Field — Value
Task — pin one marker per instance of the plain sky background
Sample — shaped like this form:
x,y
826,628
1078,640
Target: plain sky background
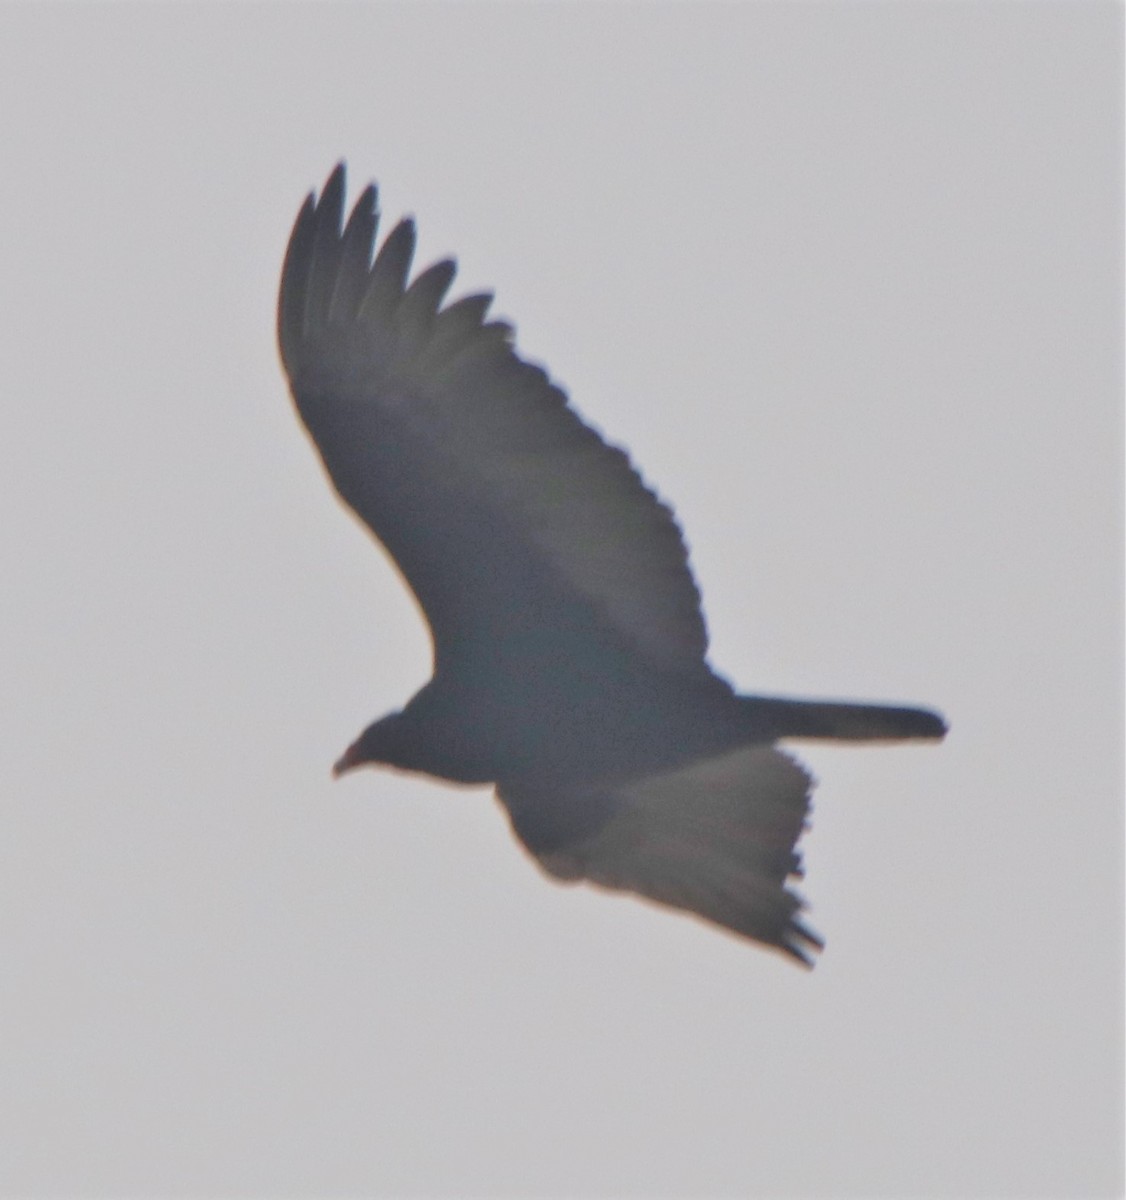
x,y
846,280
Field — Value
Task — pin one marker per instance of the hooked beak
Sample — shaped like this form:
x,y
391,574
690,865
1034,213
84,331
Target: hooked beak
x,y
348,760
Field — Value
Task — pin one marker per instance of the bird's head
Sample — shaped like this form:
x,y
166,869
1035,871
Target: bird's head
x,y
385,742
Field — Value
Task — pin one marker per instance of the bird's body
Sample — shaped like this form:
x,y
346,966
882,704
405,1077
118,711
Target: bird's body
x,y
569,644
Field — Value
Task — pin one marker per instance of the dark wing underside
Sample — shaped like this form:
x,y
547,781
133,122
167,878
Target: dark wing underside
x,y
500,507
715,838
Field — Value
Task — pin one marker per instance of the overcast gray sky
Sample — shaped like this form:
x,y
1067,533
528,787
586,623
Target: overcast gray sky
x,y
845,279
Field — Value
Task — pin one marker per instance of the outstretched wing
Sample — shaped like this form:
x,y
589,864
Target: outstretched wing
x,y
489,492
715,838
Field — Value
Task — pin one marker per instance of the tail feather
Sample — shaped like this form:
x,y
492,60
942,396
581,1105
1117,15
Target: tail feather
x,y
781,718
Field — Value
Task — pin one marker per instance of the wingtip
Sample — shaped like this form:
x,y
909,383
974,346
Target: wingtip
x,y
803,945
389,271
337,179
330,206
368,201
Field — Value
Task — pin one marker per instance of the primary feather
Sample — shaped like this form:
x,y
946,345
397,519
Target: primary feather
x,y
569,643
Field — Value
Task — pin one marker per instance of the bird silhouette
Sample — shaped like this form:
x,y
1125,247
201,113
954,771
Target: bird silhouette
x,y
569,646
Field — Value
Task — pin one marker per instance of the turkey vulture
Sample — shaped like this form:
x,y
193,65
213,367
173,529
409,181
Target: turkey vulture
x,y
569,645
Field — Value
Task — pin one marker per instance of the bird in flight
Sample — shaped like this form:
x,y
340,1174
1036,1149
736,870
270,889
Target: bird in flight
x,y
569,646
